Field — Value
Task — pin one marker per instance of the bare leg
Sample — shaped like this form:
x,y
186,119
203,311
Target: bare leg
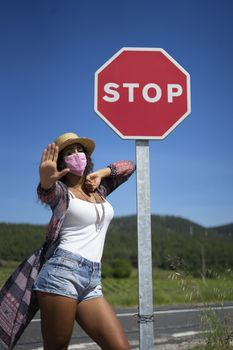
x,y
99,321
57,320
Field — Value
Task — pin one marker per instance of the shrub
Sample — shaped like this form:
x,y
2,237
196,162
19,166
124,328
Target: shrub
x,y
106,270
121,268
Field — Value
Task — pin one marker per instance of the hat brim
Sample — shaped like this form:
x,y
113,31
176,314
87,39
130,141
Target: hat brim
x,y
88,144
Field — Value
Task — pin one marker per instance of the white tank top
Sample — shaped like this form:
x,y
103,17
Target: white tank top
x,y
84,228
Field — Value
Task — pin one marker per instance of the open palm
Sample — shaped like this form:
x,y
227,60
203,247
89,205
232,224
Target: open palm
x,y
48,167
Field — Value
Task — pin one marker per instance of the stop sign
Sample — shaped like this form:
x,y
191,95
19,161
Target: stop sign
x,y
142,93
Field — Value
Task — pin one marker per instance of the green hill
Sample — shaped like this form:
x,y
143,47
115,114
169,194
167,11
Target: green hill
x,y
225,231
176,243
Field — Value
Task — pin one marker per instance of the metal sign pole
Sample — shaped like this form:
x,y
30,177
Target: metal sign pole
x,y
145,295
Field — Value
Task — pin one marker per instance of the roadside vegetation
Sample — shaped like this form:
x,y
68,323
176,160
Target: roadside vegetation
x,y
216,333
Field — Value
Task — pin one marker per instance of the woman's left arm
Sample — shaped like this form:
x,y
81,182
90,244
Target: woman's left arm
x,y
109,178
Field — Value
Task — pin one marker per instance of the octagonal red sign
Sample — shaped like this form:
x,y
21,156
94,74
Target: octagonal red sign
x,y
142,93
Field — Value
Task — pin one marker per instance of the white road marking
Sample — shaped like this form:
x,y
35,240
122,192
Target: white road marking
x,y
187,334
198,309
76,346
175,311
84,346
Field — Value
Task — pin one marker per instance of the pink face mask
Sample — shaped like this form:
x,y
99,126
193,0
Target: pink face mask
x,y
76,163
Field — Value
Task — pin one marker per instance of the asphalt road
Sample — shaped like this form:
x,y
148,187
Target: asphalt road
x,y
174,328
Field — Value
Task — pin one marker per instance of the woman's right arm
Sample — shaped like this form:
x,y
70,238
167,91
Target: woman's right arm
x,y
49,189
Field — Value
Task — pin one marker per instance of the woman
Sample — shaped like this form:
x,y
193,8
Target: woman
x,y
68,287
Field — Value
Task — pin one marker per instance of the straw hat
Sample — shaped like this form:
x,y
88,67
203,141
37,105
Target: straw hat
x,y
69,138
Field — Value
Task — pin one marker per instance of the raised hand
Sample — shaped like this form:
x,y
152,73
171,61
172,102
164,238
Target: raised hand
x,y
48,167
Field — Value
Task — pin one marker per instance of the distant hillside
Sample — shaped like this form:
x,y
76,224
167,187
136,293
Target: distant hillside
x,y
225,230
172,224
176,242
18,240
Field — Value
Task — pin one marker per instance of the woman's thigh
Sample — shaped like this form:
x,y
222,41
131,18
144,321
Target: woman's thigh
x,y
99,321
57,320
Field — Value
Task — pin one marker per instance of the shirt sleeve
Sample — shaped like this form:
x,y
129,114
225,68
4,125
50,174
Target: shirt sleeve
x,y
120,173
50,196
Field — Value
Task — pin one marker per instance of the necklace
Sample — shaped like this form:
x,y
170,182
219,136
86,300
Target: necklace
x,y
99,220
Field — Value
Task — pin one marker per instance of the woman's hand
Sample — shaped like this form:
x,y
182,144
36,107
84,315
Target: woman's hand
x,y
93,180
48,167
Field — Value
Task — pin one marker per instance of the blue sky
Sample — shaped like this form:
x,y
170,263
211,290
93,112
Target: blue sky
x,y
50,51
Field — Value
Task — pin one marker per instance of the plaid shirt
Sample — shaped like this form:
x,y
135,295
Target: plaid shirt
x,y
18,304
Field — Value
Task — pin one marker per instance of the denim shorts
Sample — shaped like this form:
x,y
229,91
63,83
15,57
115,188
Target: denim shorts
x,y
70,275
